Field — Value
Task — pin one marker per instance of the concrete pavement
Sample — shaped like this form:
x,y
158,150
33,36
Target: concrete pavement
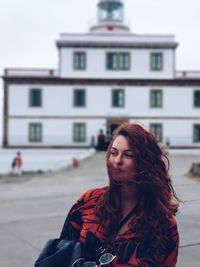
x,y
33,209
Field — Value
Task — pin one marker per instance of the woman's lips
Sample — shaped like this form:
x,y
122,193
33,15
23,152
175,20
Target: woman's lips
x,y
119,174
117,170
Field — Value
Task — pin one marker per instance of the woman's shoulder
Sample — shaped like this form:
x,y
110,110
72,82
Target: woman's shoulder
x,y
172,222
171,227
93,194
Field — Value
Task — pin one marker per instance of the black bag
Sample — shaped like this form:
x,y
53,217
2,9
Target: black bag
x,y
60,253
66,253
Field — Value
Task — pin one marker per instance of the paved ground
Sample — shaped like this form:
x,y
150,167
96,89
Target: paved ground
x,y
33,209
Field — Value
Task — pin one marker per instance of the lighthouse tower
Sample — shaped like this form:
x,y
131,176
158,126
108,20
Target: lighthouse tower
x,y
110,17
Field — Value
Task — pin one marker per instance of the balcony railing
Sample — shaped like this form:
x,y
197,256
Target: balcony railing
x,y
30,72
187,74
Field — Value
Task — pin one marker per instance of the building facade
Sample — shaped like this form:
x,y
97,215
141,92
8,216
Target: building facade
x,y
105,77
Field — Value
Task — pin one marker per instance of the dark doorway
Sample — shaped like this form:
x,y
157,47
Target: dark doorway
x,y
113,123
113,126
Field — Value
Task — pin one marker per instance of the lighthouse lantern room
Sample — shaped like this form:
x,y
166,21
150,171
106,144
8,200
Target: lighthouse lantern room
x,y
110,17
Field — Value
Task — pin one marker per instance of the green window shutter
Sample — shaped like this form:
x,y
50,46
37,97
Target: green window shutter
x,y
79,60
156,130
156,61
79,98
197,98
79,134
118,98
35,98
197,133
35,132
156,98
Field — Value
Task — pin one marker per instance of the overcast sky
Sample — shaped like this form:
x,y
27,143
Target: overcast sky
x,y
29,29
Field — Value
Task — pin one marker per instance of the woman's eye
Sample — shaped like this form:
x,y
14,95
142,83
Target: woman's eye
x,y
113,153
128,155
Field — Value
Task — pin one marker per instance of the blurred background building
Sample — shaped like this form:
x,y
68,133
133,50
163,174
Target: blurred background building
x,y
106,76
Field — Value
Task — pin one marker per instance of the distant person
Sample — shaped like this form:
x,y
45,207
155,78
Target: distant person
x,y
101,141
18,164
107,139
168,143
13,165
133,217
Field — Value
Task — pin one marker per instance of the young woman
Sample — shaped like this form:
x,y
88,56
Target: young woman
x,y
140,190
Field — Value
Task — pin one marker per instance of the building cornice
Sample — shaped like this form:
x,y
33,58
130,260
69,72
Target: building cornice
x,y
101,81
91,117
117,45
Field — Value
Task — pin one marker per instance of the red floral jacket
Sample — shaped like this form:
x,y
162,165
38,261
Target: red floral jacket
x,y
130,249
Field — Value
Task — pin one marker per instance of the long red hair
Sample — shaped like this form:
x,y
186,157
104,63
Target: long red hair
x,y
157,201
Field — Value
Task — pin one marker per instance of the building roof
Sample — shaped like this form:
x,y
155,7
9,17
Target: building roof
x,y
116,40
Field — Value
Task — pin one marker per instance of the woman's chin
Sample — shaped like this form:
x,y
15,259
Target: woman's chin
x,y
122,179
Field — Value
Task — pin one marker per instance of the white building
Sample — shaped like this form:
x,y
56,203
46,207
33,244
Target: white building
x,y
105,76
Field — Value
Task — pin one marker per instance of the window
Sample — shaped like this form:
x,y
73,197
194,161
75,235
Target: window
x,y
35,132
118,98
112,61
123,61
79,132
156,61
196,133
156,129
79,60
156,98
79,98
35,98
197,98
118,61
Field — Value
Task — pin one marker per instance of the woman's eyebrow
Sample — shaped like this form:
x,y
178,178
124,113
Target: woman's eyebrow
x,y
126,150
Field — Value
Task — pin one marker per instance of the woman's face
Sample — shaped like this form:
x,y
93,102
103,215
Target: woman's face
x,y
121,162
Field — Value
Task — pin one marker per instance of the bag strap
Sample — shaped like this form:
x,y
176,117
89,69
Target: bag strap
x,y
125,219
109,238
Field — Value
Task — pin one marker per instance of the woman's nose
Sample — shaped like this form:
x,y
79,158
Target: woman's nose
x,y
118,159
